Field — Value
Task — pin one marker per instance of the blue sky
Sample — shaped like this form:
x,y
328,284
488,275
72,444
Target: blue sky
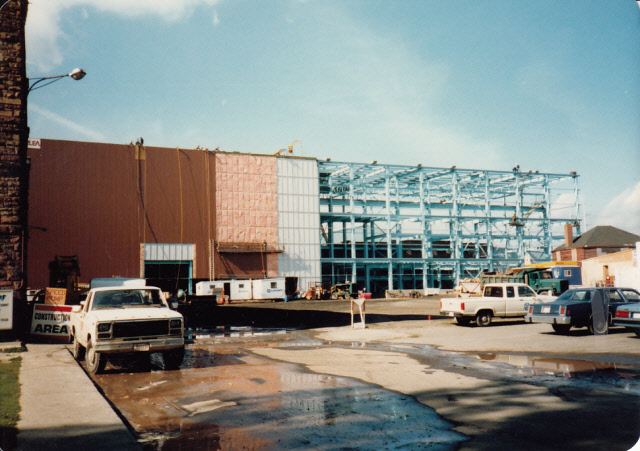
x,y
488,84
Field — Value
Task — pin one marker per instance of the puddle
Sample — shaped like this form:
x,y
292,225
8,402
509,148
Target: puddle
x,y
224,398
624,376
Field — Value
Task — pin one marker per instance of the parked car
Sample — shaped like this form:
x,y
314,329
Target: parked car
x,y
629,316
574,308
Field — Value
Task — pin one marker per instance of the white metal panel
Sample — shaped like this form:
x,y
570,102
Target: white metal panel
x,y
168,252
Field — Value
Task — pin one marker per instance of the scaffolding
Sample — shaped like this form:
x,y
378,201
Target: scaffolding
x,y
413,227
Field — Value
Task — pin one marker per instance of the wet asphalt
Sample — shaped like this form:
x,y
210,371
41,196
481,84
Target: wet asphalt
x,y
227,396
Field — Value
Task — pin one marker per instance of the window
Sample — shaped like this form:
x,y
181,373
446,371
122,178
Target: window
x,y
615,296
274,285
631,295
510,292
567,273
240,285
525,292
493,292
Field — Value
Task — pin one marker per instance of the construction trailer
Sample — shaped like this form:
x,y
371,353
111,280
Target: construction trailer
x,y
413,227
240,290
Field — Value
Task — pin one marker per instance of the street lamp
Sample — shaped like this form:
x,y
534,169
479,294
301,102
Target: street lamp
x,y
76,74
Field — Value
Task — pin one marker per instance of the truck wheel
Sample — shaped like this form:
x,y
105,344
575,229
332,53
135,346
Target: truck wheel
x,y
78,349
463,321
483,319
334,296
562,329
95,360
637,331
173,358
347,296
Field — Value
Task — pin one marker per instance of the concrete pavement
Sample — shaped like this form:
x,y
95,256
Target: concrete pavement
x,y
61,408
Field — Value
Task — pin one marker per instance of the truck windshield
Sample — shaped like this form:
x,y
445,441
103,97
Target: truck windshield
x,y
127,298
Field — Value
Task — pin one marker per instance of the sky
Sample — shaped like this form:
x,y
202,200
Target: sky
x,y
484,84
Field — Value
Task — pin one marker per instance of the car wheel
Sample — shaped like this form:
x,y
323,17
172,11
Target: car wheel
x,y
78,349
599,326
173,358
96,361
483,319
561,329
463,321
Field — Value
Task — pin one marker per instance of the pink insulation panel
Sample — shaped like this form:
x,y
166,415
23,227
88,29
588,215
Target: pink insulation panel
x,y
246,199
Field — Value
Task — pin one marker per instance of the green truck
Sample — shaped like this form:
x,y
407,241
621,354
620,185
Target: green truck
x,y
540,279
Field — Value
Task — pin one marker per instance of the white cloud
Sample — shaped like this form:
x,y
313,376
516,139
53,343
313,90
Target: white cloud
x,y
45,35
623,211
64,122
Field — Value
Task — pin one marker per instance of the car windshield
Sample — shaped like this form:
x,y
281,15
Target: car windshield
x,y
127,298
575,295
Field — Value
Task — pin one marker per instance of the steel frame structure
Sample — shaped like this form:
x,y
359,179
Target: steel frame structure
x,y
413,227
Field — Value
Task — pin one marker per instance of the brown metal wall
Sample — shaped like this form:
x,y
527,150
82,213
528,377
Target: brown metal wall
x,y
99,202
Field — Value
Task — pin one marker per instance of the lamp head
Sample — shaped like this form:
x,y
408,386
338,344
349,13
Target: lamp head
x,y
77,74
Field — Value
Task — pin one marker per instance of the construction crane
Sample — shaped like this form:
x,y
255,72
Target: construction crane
x,y
514,219
289,147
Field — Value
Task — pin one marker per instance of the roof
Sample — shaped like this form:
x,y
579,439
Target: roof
x,y
603,236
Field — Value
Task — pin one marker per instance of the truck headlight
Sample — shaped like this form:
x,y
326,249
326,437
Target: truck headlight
x,y
104,330
175,324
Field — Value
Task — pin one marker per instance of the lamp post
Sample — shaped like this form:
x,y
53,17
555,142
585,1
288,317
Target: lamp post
x,y
76,74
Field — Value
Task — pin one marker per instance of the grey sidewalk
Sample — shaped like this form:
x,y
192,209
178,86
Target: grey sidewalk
x,y
61,408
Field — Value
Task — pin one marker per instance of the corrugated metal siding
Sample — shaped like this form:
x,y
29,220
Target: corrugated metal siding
x,y
299,220
99,202
169,252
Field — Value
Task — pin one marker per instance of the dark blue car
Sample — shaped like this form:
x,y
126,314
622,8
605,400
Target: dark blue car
x,y
593,308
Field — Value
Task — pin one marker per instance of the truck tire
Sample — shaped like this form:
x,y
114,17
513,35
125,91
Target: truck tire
x,y
95,360
483,318
78,349
561,329
173,358
463,321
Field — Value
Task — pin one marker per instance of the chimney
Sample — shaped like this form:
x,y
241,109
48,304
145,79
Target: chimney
x,y
568,234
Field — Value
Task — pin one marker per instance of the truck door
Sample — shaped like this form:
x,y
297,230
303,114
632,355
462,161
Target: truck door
x,y
523,296
511,301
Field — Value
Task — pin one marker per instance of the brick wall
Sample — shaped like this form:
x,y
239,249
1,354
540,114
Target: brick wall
x,y
14,171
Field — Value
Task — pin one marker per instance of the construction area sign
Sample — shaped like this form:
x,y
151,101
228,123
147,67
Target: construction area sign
x,y
6,309
51,322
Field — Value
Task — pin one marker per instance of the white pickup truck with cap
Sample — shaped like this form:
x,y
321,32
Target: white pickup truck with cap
x,y
498,300
126,318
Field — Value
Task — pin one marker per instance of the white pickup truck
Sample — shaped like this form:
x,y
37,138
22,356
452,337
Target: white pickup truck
x,y
502,300
127,319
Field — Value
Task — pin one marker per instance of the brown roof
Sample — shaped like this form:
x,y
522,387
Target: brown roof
x,y
603,236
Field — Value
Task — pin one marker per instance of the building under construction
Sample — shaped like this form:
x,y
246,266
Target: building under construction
x,y
176,216
413,227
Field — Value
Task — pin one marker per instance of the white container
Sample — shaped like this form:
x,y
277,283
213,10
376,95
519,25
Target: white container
x,y
240,289
268,288
209,288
